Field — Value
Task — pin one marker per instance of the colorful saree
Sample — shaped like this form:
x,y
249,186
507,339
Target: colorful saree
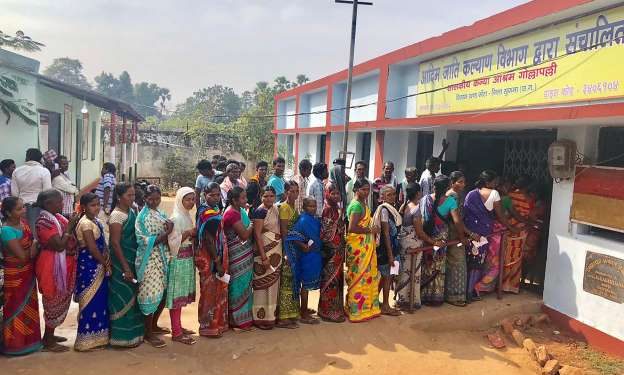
x,y
407,282
514,246
266,280
480,220
21,330
288,305
456,269
362,276
434,263
151,260
91,291
331,301
240,253
126,321
56,271
213,293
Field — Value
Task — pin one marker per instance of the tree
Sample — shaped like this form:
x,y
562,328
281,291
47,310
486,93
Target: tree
x,y
69,71
19,42
107,84
145,96
217,104
125,89
302,79
9,85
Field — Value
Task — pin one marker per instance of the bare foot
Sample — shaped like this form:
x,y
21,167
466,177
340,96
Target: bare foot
x,y
188,331
184,339
160,330
155,341
53,347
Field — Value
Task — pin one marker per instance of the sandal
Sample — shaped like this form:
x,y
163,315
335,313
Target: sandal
x,y
184,339
391,312
188,331
155,342
55,348
309,320
161,331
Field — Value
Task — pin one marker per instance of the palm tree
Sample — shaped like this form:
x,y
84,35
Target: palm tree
x,y
164,96
302,79
20,42
9,104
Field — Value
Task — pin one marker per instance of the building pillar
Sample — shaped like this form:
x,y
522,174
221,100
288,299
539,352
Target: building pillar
x,y
296,148
328,148
382,92
379,152
124,154
328,114
112,128
275,150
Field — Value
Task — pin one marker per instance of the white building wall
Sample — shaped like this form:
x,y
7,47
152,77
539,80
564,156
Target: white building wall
x,y
284,108
317,103
402,81
396,146
365,91
563,289
308,147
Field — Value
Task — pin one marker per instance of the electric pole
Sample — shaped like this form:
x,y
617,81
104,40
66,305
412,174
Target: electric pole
x,y
355,4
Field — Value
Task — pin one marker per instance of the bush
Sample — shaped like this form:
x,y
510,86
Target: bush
x,y
177,171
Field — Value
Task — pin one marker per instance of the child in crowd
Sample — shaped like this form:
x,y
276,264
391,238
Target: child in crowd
x,y
303,251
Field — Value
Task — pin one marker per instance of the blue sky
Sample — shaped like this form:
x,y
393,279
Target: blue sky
x,y
186,45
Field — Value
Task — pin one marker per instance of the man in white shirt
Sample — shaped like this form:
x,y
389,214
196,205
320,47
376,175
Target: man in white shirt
x,y
28,181
64,184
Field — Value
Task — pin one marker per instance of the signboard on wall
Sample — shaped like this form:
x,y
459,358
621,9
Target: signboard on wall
x,y
578,60
598,198
604,276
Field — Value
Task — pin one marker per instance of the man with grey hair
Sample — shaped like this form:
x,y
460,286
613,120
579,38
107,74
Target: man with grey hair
x,y
232,179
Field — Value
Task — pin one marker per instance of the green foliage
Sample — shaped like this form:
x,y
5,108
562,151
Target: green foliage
x,y
19,42
69,71
176,170
217,104
143,96
9,105
603,364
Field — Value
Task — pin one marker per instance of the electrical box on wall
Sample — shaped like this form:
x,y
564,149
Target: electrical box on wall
x,y
561,159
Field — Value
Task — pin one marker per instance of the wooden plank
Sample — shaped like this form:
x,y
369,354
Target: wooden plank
x,y
602,211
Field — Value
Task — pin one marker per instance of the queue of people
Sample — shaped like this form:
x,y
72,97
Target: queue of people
x,y
259,247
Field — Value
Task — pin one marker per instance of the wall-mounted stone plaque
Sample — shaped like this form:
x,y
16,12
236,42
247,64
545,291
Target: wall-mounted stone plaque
x,y
604,276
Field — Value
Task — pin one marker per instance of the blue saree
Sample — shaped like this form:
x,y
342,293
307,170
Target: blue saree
x,y
92,295
306,267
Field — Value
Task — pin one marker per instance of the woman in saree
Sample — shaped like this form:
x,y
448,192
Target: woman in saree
x,y
288,306
56,265
93,270
126,321
456,269
211,260
302,247
181,276
523,204
240,255
362,277
21,330
331,301
152,232
407,282
438,211
388,219
481,209
267,260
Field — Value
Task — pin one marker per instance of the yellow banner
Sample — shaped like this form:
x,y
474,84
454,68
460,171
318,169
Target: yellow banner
x,y
579,60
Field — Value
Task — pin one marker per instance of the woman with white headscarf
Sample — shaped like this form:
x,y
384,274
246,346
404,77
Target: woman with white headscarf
x,y
181,287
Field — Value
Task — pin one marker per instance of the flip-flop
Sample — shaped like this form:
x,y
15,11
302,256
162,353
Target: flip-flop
x,y
188,331
496,341
161,331
55,348
184,339
155,342
391,312
309,320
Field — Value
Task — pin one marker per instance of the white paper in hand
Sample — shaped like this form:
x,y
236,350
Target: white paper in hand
x,y
225,278
310,243
394,268
482,241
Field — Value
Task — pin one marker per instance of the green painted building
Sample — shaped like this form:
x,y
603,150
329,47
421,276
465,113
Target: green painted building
x,y
65,118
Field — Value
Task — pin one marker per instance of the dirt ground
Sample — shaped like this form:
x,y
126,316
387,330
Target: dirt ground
x,y
445,340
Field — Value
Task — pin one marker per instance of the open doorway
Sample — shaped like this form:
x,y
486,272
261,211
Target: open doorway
x,y
513,154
